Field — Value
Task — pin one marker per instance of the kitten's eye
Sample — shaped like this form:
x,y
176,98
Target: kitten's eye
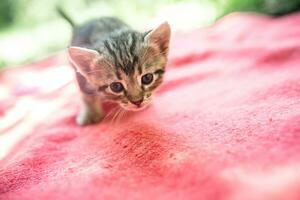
x,y
147,79
116,87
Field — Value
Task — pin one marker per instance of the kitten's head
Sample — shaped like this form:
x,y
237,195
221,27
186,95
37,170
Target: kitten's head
x,y
127,67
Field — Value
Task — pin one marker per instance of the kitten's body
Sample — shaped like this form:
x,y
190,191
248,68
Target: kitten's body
x,y
114,62
91,33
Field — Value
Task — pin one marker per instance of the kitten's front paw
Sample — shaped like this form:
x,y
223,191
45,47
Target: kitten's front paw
x,y
86,118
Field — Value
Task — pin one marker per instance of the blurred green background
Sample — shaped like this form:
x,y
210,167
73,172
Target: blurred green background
x,y
31,29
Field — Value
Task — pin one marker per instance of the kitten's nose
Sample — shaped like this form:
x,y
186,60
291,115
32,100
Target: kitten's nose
x,y
137,102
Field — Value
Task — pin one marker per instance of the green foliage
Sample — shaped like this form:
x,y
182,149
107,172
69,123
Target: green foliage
x,y
7,12
33,28
2,63
30,29
271,7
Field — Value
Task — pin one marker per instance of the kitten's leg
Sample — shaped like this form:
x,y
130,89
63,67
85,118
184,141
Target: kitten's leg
x,y
90,111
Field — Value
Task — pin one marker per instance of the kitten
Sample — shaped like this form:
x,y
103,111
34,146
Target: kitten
x,y
113,62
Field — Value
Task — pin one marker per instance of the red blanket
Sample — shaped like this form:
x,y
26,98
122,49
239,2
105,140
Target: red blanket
x,y
224,125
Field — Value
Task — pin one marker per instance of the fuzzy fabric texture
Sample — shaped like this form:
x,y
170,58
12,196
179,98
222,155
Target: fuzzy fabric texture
x,y
225,125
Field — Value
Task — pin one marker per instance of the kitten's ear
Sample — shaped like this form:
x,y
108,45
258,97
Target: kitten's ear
x,y
160,36
82,58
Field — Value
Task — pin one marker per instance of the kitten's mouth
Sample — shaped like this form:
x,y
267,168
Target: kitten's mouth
x,y
131,107
137,108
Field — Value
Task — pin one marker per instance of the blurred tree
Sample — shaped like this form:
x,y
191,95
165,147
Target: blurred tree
x,y
272,7
36,23
281,7
7,12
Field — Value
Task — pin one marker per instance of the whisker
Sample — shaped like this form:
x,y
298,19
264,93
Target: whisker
x,y
114,117
110,113
120,115
110,121
124,114
117,118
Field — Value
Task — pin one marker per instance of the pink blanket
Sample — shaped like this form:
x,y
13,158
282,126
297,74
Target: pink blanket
x,y
225,125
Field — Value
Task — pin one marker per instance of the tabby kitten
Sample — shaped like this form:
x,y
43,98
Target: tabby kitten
x,y
113,62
